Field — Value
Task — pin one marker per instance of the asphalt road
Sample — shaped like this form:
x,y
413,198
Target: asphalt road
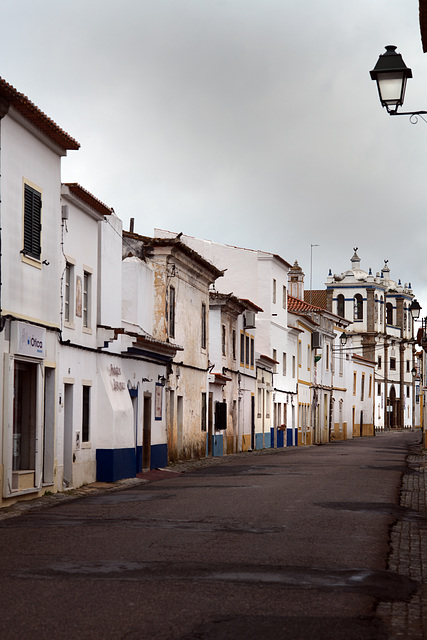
x,y
291,544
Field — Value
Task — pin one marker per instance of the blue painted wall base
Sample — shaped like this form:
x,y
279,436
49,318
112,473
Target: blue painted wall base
x,y
117,464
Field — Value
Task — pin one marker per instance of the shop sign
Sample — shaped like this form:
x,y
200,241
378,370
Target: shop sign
x,y
28,340
158,402
115,372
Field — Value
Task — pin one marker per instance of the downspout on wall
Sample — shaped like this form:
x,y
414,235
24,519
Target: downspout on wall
x,y
4,108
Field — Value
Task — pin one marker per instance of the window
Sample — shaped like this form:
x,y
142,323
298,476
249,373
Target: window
x,y
172,312
299,353
393,364
234,343
358,307
86,414
308,357
68,293
370,386
284,364
408,364
376,309
293,366
340,305
379,362
285,297
327,356
87,282
379,390
354,382
362,388
275,358
223,340
247,350
274,291
32,222
203,410
408,393
389,313
203,328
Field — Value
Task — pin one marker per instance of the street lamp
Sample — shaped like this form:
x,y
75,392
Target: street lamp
x,y
415,309
391,74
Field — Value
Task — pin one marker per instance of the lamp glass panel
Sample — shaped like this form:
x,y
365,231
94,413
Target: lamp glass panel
x,y
391,87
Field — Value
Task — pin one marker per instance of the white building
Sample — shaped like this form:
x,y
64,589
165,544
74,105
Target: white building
x,y
31,149
381,325
261,277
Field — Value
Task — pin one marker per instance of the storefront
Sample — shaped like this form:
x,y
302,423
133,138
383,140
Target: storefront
x,y
29,411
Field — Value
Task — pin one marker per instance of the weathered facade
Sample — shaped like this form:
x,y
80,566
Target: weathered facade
x,y
181,280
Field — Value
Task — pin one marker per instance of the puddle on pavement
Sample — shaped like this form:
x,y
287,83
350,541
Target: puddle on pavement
x,y
385,585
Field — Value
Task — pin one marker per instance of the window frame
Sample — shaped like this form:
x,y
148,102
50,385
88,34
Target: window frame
x,y
32,223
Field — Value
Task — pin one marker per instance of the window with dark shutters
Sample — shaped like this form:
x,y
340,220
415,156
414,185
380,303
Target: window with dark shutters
x,y
32,222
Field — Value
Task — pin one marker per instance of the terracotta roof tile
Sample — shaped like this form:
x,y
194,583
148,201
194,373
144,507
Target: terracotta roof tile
x,y
295,305
316,297
9,96
89,199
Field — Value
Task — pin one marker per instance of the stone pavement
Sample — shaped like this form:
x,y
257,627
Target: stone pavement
x,y
408,552
408,534
50,499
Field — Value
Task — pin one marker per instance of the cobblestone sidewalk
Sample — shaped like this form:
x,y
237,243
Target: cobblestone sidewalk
x,y
408,552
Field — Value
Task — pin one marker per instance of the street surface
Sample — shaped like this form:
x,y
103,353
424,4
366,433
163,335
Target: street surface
x,y
286,544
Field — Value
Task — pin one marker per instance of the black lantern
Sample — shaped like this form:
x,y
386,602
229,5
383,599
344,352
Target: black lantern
x,y
391,74
415,309
343,339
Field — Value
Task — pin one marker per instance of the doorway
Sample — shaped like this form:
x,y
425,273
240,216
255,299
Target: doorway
x,y
146,433
68,435
24,416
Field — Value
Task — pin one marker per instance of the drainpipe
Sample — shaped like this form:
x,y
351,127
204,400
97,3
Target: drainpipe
x,y
4,108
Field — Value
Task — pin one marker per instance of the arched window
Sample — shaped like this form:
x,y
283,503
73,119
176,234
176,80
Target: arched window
x,y
381,310
389,313
405,318
358,307
376,309
340,305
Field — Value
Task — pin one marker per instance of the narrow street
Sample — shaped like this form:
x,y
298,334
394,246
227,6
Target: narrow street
x,y
291,544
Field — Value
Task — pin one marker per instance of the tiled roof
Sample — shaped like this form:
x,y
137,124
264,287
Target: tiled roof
x,y
150,243
89,199
295,305
9,96
317,297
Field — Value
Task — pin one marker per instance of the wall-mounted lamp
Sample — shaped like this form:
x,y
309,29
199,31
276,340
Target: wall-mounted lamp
x,y
161,380
343,339
415,309
391,73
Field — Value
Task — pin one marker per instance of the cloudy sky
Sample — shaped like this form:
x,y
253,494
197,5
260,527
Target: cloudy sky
x,y
248,122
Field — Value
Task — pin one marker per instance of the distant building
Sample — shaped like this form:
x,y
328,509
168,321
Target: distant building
x,y
378,309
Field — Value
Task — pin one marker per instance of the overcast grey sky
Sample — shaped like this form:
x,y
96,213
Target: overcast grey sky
x,y
248,122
